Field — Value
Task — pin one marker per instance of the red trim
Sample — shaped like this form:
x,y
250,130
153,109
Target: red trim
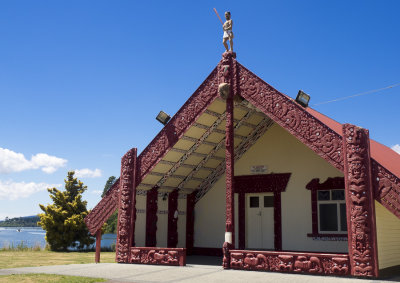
x,y
359,202
296,262
335,183
312,235
151,217
261,183
207,251
190,202
158,256
172,221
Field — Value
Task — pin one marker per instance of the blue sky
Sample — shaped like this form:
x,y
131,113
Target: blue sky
x,y
82,81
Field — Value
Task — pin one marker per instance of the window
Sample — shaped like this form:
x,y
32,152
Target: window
x,y
331,211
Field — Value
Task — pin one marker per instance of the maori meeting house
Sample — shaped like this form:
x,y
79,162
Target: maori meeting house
x,y
246,173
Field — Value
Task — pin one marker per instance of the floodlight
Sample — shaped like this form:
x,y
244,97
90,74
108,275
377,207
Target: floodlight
x,y
163,117
302,98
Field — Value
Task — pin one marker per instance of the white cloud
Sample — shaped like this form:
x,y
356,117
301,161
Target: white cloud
x,y
11,161
87,173
396,148
97,192
13,190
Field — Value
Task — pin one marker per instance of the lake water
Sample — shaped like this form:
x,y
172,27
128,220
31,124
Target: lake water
x,y
34,236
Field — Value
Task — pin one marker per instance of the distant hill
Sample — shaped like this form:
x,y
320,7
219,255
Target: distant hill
x,y
26,221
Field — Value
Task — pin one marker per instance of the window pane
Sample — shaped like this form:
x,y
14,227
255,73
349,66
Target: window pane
x,y
324,195
254,202
328,217
343,220
268,201
338,194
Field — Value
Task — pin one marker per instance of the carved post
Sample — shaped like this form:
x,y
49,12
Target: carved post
x,y
127,187
190,201
360,207
172,219
227,75
151,217
98,246
242,221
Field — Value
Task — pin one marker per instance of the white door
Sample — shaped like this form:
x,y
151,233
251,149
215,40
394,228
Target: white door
x,y
260,221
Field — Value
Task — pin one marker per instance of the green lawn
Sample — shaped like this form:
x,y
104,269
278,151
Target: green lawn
x,y
13,259
30,278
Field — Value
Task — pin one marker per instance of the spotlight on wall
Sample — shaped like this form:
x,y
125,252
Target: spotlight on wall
x,y
302,98
163,117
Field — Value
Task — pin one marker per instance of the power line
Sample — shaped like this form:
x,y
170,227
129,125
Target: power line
x,y
358,94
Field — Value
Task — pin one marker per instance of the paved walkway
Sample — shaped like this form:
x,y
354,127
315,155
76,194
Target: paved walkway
x,y
192,273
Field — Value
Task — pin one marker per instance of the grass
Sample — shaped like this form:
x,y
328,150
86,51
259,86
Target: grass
x,y
29,258
31,278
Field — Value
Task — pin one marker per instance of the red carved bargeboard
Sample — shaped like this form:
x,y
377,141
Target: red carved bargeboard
x,y
161,256
314,263
103,210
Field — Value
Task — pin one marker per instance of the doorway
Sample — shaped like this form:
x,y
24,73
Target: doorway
x,y
260,221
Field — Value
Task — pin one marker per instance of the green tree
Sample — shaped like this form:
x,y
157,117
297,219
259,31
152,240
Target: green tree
x,y
108,185
63,220
112,221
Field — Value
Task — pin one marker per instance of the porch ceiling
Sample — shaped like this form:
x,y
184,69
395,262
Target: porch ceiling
x,y
197,160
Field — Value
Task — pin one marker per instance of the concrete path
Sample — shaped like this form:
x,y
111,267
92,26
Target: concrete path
x,y
192,273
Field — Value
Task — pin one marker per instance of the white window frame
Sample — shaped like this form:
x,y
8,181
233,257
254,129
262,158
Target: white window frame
x,y
338,203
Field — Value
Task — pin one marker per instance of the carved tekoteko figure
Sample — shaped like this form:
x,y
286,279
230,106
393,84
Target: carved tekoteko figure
x,y
228,34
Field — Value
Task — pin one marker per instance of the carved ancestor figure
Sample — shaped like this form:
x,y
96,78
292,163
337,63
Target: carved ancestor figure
x,y
228,34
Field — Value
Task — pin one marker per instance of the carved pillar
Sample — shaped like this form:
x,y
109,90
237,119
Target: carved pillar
x,y
126,202
151,217
98,246
227,75
360,207
242,221
277,221
190,202
172,219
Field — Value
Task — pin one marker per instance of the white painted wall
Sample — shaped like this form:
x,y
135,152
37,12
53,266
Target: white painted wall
x,y
162,223
281,153
140,225
209,217
181,223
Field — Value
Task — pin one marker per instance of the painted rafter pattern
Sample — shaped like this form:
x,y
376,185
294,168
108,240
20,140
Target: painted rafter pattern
x,y
215,149
261,128
191,150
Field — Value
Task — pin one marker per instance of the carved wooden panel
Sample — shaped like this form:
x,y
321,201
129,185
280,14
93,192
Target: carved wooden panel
x,y
261,183
173,215
126,200
292,117
359,202
386,188
151,217
314,263
159,256
103,210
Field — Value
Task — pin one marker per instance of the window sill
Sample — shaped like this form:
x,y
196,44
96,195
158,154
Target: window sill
x,y
328,237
